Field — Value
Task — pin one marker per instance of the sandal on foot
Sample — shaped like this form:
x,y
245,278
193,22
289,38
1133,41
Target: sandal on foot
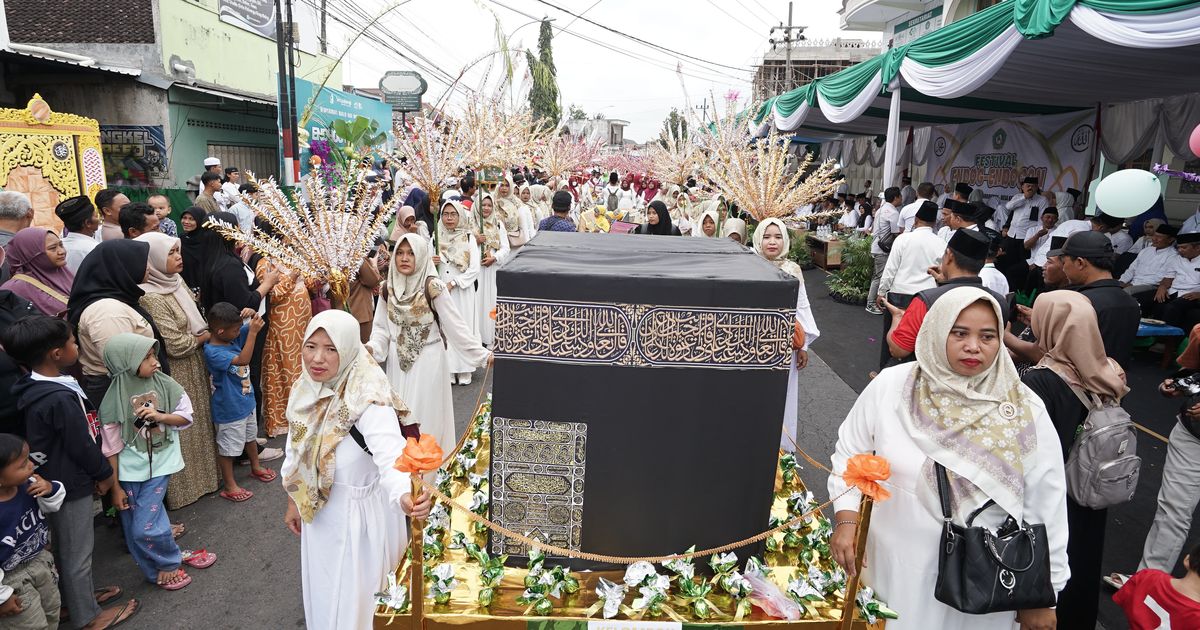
x,y
107,594
265,475
124,613
237,497
178,530
199,559
179,583
1116,580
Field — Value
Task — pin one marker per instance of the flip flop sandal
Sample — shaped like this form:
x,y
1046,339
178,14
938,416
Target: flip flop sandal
x,y
105,595
1116,580
238,497
266,475
178,584
199,559
178,530
118,620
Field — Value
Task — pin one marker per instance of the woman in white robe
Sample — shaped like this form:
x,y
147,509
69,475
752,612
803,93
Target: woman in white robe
x,y
346,505
961,404
539,200
458,262
495,252
521,227
772,242
415,329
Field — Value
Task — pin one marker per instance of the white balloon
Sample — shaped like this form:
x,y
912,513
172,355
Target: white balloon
x,y
1128,193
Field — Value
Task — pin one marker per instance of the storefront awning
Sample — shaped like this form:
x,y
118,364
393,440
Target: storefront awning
x,y
226,94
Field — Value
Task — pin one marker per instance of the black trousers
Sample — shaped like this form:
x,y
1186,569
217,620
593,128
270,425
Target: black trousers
x,y
1079,601
1180,313
901,300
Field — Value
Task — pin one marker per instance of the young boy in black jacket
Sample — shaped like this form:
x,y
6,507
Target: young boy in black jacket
x,y
63,433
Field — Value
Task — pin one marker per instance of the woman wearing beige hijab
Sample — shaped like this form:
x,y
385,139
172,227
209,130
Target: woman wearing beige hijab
x,y
458,262
184,333
346,502
415,330
495,252
1074,364
960,405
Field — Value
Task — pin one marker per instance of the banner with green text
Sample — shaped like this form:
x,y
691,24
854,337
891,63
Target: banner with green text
x,y
996,155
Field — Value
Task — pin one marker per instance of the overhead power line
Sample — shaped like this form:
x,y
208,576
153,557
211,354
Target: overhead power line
x,y
640,40
734,18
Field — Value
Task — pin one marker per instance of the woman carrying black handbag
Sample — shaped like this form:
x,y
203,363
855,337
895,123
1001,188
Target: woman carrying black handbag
x,y
960,405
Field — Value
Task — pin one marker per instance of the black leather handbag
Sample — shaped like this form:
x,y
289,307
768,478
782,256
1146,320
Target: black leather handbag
x,y
982,572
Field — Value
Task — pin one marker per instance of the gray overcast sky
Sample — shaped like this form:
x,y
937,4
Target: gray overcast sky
x,y
453,33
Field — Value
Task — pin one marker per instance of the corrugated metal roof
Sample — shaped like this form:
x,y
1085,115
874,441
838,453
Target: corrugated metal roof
x,y
132,72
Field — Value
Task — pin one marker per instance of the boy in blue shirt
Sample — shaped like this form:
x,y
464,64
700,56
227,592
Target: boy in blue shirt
x,y
28,584
227,355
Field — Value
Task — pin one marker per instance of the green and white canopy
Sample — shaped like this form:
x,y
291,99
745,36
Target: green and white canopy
x,y
1016,58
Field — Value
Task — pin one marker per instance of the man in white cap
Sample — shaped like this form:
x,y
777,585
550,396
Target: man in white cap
x,y
211,165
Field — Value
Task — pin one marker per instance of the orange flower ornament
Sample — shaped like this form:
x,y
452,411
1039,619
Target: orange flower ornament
x,y
420,456
865,472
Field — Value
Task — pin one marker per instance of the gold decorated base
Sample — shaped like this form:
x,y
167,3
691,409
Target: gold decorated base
x,y
570,612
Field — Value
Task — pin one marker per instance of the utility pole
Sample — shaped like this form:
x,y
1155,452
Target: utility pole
x,y
703,110
324,48
291,51
788,83
284,104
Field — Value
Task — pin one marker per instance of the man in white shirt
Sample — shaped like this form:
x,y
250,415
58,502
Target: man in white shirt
x,y
1179,292
957,215
908,194
925,193
991,276
885,229
1021,212
79,217
907,269
1114,227
244,214
1143,276
1192,224
229,190
1037,238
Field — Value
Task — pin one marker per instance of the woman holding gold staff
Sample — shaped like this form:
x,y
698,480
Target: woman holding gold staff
x,y
343,496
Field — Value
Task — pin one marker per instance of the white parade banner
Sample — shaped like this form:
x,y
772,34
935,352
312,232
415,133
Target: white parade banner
x,y
996,155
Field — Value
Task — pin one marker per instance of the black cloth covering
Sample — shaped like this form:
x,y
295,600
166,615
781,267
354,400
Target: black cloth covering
x,y
642,447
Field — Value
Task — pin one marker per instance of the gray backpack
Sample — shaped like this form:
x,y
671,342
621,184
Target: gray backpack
x,y
1103,466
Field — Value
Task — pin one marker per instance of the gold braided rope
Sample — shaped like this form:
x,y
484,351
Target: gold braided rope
x,y
802,453
595,557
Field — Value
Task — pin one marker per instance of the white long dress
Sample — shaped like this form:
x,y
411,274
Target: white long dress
x,y
487,291
425,387
526,221
460,287
791,408
902,543
359,536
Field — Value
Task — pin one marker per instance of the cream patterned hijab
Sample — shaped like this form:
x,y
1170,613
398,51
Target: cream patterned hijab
x,y
454,246
781,261
493,226
407,304
508,205
320,415
981,428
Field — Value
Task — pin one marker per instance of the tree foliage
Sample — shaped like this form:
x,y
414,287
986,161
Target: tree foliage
x,y
576,113
543,95
675,128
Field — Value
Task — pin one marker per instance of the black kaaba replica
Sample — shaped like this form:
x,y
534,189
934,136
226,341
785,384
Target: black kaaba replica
x,y
639,386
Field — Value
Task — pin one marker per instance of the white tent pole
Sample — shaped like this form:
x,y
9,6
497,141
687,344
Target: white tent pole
x,y
891,152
